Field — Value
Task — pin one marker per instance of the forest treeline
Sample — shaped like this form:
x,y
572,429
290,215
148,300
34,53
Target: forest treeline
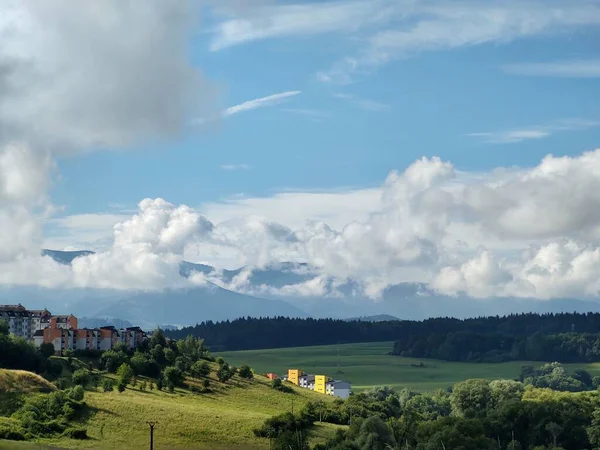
x,y
563,337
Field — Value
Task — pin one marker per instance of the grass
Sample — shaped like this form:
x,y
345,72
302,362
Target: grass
x,y
368,365
23,382
222,419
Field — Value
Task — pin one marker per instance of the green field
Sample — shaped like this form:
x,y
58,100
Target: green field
x,y
220,420
369,364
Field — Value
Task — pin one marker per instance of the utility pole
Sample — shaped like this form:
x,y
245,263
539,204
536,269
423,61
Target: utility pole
x,y
151,424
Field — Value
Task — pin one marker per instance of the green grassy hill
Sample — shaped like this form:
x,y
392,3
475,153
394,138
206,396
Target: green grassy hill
x,y
370,364
222,419
20,381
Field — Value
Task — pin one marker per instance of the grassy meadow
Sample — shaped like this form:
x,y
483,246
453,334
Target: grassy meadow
x,y
369,364
222,419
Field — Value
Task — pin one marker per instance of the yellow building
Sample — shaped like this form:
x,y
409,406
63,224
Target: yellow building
x,y
320,383
293,376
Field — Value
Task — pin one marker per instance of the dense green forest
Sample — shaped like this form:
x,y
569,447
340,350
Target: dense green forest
x,y
535,337
476,415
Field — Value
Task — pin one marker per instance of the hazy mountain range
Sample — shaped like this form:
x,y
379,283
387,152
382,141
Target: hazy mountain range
x,y
178,307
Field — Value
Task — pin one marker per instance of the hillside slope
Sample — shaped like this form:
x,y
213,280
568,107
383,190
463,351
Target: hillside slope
x,y
222,419
21,382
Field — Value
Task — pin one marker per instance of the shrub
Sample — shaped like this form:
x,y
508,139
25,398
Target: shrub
x,y
246,372
108,385
173,376
11,430
159,383
121,386
200,369
278,385
75,433
151,386
76,393
143,386
125,373
220,361
81,377
46,350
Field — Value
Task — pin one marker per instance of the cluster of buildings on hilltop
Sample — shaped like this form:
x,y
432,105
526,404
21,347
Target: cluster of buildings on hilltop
x,y
41,327
318,383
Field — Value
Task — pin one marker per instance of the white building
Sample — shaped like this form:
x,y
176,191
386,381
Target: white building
x,y
339,389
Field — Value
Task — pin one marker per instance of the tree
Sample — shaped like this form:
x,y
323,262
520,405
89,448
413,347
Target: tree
x,y
139,363
159,383
169,356
173,376
125,373
121,386
220,361
471,398
224,373
76,393
200,369
157,338
4,330
503,391
46,349
245,371
453,433
108,385
191,347
80,377
374,434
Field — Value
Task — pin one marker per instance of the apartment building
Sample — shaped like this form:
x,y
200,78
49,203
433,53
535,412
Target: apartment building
x,y
319,383
23,322
40,326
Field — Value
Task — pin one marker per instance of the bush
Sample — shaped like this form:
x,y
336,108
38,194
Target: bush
x,y
246,372
75,433
143,386
200,369
108,385
81,377
46,350
173,376
125,373
159,383
278,385
121,386
76,393
11,430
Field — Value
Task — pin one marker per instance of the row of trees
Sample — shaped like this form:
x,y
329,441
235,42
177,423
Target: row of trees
x,y
475,415
539,337
470,346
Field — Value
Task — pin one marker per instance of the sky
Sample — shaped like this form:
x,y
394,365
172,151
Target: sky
x,y
451,143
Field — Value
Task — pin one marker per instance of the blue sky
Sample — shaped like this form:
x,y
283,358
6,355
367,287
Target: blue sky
x,y
338,135
383,141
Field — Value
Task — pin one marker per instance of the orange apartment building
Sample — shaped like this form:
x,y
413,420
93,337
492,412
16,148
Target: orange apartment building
x,y
41,327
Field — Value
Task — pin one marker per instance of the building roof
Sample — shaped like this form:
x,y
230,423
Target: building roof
x,y
340,384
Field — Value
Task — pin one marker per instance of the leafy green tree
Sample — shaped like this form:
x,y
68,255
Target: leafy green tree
x,y
224,373
200,369
158,338
169,356
139,363
220,361
191,347
455,433
503,391
374,434
81,377
173,376
245,371
125,373
108,385
159,383
46,349
4,330
76,393
471,398
121,386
